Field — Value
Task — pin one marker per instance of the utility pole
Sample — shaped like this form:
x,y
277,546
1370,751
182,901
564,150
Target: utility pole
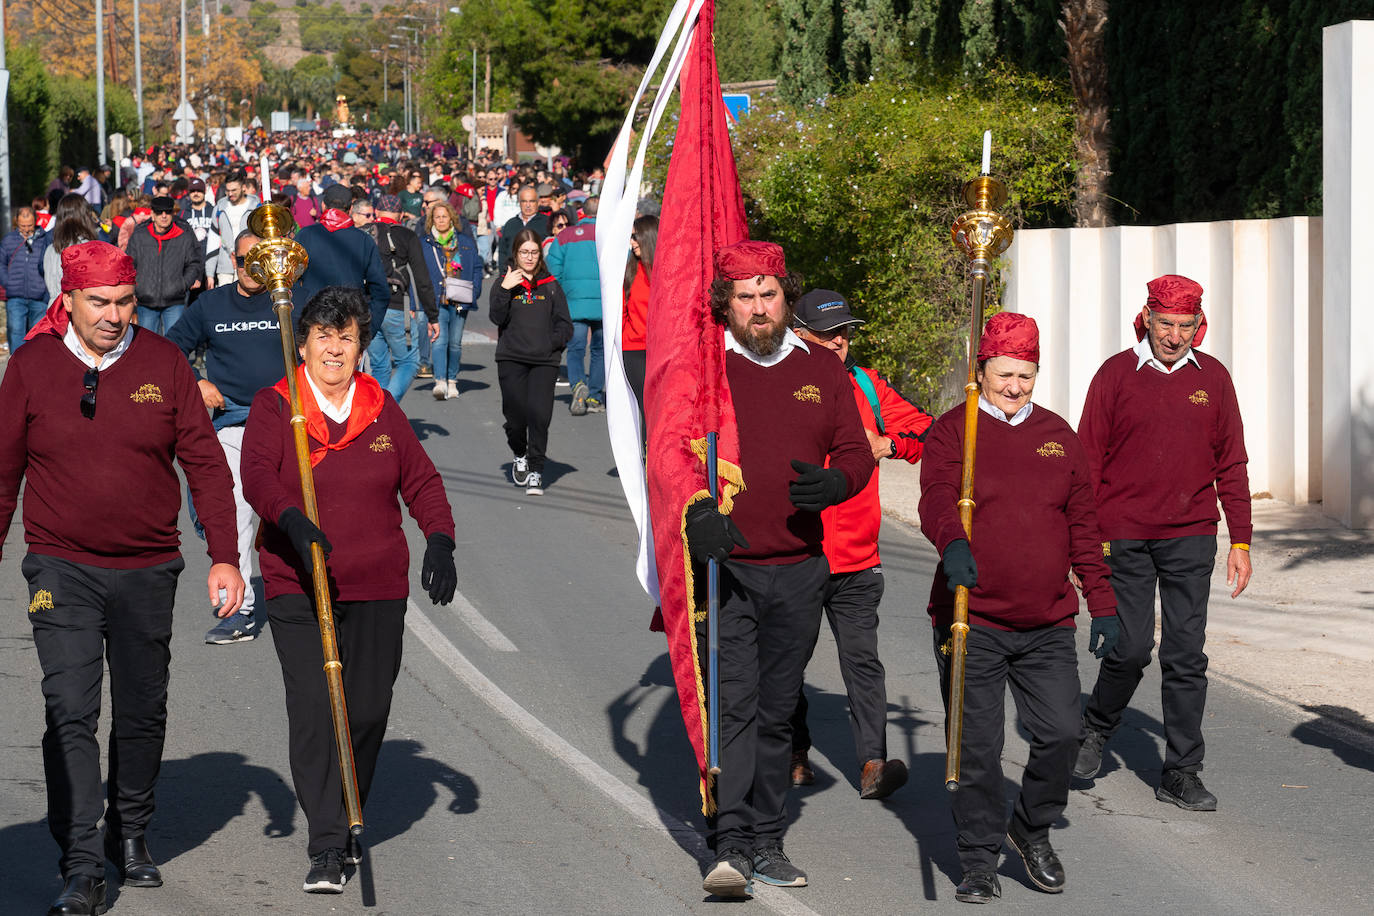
x,y
183,60
5,190
138,79
100,81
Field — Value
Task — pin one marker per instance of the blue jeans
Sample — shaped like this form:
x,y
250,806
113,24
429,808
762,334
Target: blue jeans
x,y
577,372
20,316
160,321
484,247
389,344
448,349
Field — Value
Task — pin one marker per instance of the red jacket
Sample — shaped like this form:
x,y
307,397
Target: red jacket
x,y
851,528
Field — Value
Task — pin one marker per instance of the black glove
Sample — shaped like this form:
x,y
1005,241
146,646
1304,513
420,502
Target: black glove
x,y
711,535
438,575
1103,635
301,532
816,488
959,566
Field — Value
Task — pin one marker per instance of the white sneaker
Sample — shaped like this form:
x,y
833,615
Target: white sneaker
x,y
534,486
440,390
452,390
520,471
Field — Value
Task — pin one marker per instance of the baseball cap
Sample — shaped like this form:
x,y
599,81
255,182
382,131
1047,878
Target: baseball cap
x,y
824,310
196,185
162,204
390,203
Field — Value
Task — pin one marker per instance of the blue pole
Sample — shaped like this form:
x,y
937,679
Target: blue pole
x,y
712,630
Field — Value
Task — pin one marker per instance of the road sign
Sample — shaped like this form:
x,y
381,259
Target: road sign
x,y
281,121
120,146
185,112
737,103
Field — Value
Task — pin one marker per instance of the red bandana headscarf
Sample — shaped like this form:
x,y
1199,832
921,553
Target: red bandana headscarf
x,y
84,266
1174,295
747,259
1010,334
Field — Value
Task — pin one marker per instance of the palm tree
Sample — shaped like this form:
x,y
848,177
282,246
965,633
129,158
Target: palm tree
x,y
1084,24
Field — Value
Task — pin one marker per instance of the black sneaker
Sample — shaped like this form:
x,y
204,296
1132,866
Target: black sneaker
x,y
771,866
1089,754
729,877
326,873
578,407
520,470
1186,791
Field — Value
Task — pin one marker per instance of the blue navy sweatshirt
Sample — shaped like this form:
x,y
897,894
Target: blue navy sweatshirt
x,y
348,257
242,341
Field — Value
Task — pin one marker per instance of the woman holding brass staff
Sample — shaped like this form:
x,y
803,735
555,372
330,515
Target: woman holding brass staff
x,y
363,454
1034,521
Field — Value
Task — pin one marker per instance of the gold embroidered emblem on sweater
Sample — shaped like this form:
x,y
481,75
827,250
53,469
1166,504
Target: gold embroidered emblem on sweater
x,y
808,393
382,444
42,601
1050,449
1199,398
1106,548
147,394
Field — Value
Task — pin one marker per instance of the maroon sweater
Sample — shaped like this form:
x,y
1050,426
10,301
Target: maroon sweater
x,y
1033,517
801,408
1162,448
355,491
103,491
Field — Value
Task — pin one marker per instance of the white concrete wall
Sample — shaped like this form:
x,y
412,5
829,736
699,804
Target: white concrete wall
x,y
1347,332
1262,295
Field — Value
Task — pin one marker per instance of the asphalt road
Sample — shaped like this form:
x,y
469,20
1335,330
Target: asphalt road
x,y
535,761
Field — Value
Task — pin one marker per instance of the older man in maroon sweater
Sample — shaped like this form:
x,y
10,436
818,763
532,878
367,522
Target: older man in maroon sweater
x,y
95,410
1034,522
1163,434
794,407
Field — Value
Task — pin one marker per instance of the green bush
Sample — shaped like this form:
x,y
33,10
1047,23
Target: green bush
x,y
862,189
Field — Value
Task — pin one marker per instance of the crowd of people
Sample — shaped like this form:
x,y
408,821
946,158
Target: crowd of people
x,y
403,236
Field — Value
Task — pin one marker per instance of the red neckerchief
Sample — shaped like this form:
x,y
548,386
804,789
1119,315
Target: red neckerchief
x,y
172,232
368,399
530,287
388,221
54,321
334,220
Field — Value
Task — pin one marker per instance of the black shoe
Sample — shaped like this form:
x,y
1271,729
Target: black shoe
x,y
729,877
82,895
978,886
326,873
771,866
353,851
1186,791
1089,754
1042,865
135,866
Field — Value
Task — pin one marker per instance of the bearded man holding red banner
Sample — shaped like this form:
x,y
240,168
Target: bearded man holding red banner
x,y
794,406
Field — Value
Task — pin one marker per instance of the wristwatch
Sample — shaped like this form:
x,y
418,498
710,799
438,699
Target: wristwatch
x,y
892,453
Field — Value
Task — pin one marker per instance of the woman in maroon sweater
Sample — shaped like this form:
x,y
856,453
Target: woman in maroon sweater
x,y
364,454
1034,521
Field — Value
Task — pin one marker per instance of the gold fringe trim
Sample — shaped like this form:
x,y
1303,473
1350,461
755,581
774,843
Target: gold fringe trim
x,y
734,484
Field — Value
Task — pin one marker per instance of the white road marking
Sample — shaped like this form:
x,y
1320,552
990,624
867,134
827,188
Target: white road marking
x,y
637,806
484,628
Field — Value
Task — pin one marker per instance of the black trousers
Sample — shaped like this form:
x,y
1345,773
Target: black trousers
x,y
636,364
82,617
1041,668
851,603
769,617
1182,570
369,639
527,404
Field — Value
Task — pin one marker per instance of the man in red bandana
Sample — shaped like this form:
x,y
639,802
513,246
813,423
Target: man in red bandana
x,y
94,410
1034,523
794,407
1164,439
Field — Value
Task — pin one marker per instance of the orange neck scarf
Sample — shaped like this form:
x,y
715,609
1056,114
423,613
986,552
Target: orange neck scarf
x,y
368,398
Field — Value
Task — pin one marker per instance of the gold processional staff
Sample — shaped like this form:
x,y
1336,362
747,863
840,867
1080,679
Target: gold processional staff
x,y
982,234
277,262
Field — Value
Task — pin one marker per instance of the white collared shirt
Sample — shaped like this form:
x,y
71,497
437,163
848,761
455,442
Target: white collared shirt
x,y
337,414
1020,416
74,344
1144,356
789,340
